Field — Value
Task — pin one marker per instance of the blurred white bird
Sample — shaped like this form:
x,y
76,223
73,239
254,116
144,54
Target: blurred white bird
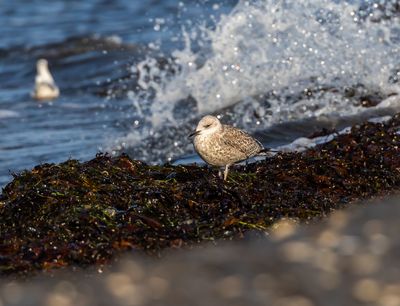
x,y
45,87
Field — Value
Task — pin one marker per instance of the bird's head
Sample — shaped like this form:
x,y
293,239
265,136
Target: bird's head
x,y
207,125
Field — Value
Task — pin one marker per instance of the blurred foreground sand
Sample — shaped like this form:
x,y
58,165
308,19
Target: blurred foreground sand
x,y
352,258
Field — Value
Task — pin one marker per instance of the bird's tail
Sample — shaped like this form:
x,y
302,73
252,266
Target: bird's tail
x,y
267,152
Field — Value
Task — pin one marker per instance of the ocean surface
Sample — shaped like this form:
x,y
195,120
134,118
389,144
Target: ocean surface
x,y
136,76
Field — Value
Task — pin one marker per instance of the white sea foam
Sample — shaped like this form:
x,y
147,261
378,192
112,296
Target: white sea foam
x,y
273,45
303,143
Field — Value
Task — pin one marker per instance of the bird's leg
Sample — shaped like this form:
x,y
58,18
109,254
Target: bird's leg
x,y
226,172
219,173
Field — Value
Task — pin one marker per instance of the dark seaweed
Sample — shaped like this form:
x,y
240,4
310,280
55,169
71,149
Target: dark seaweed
x,y
82,214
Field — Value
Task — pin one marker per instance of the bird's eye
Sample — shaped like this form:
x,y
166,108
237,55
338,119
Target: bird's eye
x,y
207,126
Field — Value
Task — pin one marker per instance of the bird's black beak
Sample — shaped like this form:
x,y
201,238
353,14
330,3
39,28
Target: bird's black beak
x,y
194,134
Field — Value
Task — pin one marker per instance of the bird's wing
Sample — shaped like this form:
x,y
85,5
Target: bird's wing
x,y
242,141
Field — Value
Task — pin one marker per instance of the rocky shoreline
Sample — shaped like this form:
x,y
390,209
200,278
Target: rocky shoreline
x,y
84,214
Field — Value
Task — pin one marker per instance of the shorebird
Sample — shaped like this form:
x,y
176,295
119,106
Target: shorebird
x,y
223,145
45,87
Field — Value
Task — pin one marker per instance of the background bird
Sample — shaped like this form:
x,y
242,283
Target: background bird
x,y
45,86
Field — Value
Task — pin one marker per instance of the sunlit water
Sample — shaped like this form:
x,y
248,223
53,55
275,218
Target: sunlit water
x,y
136,76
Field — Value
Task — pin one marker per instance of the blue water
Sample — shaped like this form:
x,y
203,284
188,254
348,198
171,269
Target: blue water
x,y
89,45
136,76
39,22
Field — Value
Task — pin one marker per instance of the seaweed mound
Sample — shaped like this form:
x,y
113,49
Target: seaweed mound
x,y
76,213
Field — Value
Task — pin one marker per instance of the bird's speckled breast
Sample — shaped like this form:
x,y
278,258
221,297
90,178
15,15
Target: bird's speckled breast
x,y
214,151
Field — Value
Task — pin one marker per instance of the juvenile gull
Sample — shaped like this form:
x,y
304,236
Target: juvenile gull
x,y
45,87
223,145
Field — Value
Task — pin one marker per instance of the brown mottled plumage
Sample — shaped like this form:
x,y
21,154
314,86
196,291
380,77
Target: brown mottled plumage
x,y
223,145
